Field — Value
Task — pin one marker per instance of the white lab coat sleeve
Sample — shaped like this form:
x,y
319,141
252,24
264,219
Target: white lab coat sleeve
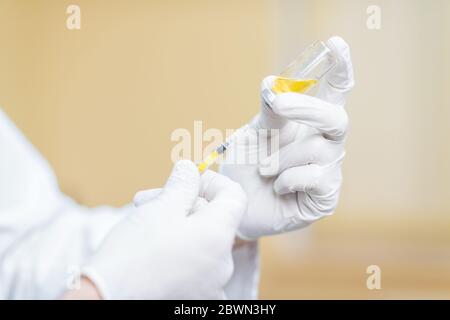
x,y
44,236
29,192
46,261
244,282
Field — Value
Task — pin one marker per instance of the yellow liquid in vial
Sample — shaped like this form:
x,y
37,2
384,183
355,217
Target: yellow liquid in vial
x,y
283,85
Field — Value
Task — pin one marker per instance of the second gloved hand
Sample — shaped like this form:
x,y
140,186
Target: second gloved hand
x,y
299,182
171,248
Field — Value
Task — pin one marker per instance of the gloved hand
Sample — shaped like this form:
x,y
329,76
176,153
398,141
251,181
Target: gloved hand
x,y
300,182
171,248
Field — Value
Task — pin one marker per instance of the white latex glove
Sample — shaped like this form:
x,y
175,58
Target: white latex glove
x,y
299,183
243,284
167,249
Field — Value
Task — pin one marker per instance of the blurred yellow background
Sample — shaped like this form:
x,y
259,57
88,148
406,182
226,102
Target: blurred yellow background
x,y
101,102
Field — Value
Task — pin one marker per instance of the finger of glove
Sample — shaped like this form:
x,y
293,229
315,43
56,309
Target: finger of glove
x,y
227,201
316,150
267,123
199,204
298,179
329,119
182,187
339,81
319,182
266,118
144,196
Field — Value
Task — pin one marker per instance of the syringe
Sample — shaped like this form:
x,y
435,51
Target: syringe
x,y
212,157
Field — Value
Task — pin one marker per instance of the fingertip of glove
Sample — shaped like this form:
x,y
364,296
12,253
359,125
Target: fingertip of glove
x,y
267,82
186,166
183,183
138,198
280,188
338,44
341,48
185,171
